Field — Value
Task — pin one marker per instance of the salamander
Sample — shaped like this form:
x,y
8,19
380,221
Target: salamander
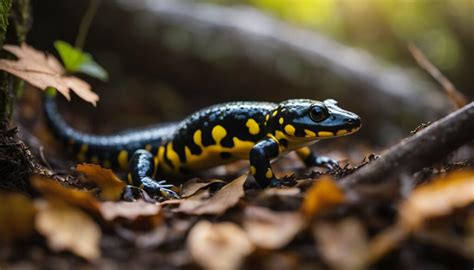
x,y
256,131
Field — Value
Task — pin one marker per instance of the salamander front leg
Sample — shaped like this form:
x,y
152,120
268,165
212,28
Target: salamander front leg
x,y
260,157
141,167
311,159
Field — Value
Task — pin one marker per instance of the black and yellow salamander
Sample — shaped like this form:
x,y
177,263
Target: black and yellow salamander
x,y
254,131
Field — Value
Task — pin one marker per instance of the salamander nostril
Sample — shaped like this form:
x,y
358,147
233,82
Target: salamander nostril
x,y
349,120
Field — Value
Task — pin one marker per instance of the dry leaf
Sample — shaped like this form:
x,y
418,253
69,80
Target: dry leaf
x,y
52,189
128,210
68,228
324,193
43,71
16,216
269,229
437,198
111,187
218,246
193,186
222,200
343,245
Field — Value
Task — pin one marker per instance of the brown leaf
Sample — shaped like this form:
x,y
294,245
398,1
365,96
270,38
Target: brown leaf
x,y
193,186
437,198
324,194
52,189
43,71
343,245
269,229
68,228
16,216
111,187
218,246
222,200
129,210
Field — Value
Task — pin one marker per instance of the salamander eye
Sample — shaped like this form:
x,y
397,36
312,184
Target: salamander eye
x,y
318,114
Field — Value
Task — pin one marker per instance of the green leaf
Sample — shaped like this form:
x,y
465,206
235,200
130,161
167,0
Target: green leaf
x,y
72,58
91,68
75,60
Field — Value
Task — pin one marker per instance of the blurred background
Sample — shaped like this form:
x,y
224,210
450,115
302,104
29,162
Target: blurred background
x,y
168,58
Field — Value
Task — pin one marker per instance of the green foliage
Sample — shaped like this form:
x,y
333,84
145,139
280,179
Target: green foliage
x,y
75,60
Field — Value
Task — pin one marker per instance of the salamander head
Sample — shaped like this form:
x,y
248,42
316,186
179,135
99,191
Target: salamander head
x,y
313,120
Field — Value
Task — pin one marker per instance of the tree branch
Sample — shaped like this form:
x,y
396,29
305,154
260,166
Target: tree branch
x,y
422,149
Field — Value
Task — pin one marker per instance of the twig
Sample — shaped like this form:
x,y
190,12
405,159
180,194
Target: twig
x,y
422,149
86,23
456,97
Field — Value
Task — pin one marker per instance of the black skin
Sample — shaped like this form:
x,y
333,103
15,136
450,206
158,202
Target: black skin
x,y
173,147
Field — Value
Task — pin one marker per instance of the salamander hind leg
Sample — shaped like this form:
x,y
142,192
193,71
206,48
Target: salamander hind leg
x,y
141,168
260,157
310,159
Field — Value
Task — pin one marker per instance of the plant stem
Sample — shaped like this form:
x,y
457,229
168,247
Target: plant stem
x,y
86,23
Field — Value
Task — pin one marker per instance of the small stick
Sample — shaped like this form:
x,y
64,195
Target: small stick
x,y
454,95
420,150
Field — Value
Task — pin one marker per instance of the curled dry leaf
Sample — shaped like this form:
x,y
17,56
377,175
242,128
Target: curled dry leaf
x,y
437,198
193,186
222,200
111,187
129,210
16,216
68,228
43,71
52,189
218,246
343,245
269,229
324,194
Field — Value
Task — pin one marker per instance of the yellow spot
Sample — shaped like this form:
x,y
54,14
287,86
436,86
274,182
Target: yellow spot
x,y
84,148
241,148
274,113
81,156
95,159
252,170
281,120
254,129
172,155
303,152
269,173
123,159
218,133
129,179
325,134
267,117
148,147
290,130
309,133
107,163
197,137
341,132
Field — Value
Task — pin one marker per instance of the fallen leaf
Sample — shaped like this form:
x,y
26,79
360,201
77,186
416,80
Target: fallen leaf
x,y
324,194
68,228
192,186
52,189
269,229
437,198
16,216
111,187
217,204
218,246
129,210
343,244
43,71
